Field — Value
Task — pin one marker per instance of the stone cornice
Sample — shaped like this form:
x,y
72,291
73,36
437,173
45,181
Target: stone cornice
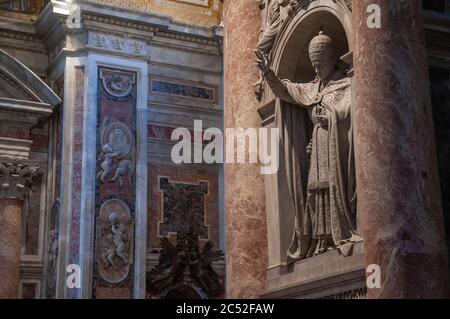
x,y
147,31
142,15
15,149
16,179
48,32
23,77
144,20
25,37
23,111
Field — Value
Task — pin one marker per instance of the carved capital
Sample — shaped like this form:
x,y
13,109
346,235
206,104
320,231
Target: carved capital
x,y
16,179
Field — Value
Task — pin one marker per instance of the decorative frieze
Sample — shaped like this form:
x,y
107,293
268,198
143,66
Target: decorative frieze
x,y
117,43
181,37
16,179
183,90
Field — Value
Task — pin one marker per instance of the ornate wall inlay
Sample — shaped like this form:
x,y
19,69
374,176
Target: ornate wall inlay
x,y
186,265
77,186
183,206
118,84
114,238
171,87
115,183
117,147
16,179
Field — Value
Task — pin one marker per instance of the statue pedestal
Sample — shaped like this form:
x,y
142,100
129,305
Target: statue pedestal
x,y
325,276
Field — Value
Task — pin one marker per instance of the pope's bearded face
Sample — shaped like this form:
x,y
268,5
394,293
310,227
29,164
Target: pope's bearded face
x,y
323,64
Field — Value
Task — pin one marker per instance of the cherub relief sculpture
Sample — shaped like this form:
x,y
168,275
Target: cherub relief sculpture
x,y
117,249
114,240
117,84
117,149
323,192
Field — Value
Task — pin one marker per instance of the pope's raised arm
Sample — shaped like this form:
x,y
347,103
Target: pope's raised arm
x,y
294,93
283,89
279,87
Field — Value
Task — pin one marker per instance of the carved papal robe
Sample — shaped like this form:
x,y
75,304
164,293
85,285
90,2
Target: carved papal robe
x,y
325,197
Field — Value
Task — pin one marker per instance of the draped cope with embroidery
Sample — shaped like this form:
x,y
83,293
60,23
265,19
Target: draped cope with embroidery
x,y
324,197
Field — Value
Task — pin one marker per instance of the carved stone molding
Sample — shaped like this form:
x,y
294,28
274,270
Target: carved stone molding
x,y
117,43
15,149
16,179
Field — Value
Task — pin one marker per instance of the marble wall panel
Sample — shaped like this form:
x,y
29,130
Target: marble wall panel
x,y
115,183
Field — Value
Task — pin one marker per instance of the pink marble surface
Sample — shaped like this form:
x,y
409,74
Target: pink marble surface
x,y
77,158
245,193
10,239
398,184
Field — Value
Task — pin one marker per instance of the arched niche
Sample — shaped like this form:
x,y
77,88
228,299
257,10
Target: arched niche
x,y
290,60
290,53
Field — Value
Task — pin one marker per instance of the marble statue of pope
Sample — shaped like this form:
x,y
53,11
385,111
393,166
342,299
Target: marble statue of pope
x,y
326,218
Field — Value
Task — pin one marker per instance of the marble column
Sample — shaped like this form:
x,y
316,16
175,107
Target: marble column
x,y
15,181
399,198
10,238
244,185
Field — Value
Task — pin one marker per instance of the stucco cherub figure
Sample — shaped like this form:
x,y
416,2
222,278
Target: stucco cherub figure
x,y
118,247
117,149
